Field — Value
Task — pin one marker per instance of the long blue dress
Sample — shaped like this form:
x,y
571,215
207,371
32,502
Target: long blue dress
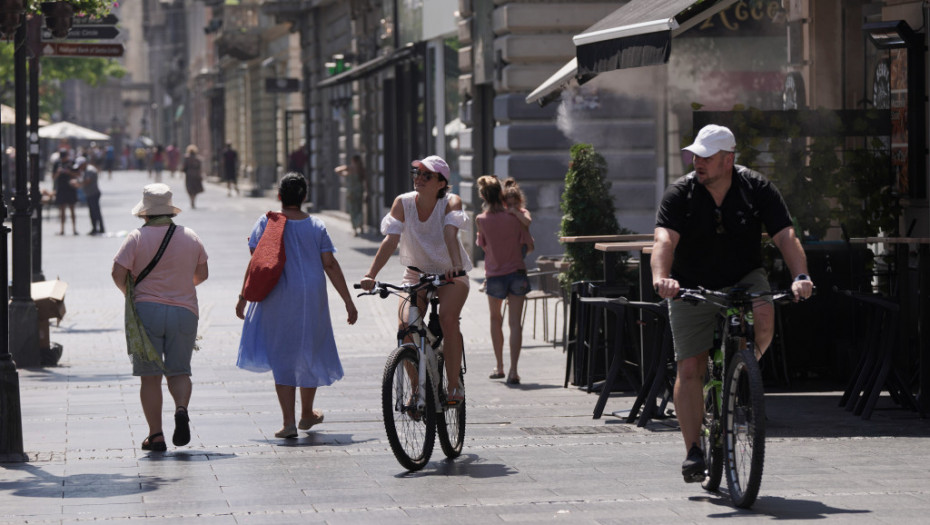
x,y
290,332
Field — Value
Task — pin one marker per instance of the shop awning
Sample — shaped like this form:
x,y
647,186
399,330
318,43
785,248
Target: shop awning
x,y
638,34
548,90
372,66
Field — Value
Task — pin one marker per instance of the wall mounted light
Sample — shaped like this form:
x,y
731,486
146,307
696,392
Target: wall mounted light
x,y
891,34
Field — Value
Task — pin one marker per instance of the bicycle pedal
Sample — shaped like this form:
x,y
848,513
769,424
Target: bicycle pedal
x,y
694,478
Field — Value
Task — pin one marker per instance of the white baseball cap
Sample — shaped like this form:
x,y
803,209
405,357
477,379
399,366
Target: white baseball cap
x,y
711,139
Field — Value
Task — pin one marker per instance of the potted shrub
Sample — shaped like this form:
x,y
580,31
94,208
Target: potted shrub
x,y
587,209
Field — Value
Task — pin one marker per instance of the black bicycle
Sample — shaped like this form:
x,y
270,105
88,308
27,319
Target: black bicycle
x,y
413,397
733,431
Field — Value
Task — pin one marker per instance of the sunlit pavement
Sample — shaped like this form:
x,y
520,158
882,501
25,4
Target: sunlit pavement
x,y
532,453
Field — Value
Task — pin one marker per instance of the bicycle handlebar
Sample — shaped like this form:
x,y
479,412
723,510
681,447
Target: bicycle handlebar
x,y
737,294
426,280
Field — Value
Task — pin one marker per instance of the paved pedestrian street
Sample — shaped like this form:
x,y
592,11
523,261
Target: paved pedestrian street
x,y
532,452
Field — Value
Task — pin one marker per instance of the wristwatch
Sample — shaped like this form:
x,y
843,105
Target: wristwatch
x,y
802,277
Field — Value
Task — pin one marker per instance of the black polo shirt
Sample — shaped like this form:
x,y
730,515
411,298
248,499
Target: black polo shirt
x,y
718,253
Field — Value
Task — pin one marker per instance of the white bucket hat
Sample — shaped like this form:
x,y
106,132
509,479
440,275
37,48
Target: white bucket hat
x,y
156,200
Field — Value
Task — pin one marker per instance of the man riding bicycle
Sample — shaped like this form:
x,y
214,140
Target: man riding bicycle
x,y
709,233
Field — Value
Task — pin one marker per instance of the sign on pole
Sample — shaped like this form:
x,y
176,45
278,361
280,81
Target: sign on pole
x,y
282,85
64,49
101,32
108,20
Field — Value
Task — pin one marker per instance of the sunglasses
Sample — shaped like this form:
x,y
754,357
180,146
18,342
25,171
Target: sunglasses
x,y
428,175
718,218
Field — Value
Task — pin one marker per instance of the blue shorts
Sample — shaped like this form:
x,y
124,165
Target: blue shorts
x,y
501,286
173,332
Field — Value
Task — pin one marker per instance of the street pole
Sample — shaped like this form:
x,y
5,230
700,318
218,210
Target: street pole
x,y
34,37
24,341
11,419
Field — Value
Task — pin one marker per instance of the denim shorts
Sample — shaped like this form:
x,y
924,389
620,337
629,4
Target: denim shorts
x,y
173,332
501,286
693,324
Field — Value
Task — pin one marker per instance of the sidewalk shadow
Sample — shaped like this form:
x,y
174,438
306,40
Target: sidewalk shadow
x,y
777,507
46,485
531,386
187,455
315,439
53,375
469,465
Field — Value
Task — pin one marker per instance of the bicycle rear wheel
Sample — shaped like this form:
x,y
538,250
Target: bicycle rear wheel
x,y
451,420
712,441
409,431
744,431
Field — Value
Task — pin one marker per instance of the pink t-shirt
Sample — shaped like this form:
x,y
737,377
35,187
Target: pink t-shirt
x,y
172,280
502,237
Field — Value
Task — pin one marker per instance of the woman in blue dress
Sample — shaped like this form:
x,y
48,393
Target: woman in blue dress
x,y
290,331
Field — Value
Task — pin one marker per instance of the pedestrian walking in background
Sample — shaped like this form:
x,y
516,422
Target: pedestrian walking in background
x,y
172,159
88,177
230,169
158,161
356,191
65,185
193,173
425,223
109,160
297,161
165,298
505,240
290,331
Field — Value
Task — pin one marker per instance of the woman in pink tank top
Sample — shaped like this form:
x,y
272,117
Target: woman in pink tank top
x,y
505,241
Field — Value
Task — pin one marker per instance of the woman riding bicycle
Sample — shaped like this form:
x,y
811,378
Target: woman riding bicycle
x,y
425,224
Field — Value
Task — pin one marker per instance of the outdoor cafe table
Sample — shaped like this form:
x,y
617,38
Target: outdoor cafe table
x,y
644,247
922,315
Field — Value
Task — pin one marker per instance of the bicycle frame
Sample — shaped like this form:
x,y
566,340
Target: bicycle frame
x,y
426,340
735,324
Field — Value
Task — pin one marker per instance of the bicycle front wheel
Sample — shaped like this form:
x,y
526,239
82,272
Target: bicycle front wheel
x,y
451,422
744,432
712,440
410,432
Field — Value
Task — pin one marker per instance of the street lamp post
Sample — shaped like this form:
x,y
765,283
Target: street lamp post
x,y
11,421
34,32
24,341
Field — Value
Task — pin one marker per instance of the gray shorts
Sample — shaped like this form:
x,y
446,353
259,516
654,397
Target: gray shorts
x,y
693,324
173,332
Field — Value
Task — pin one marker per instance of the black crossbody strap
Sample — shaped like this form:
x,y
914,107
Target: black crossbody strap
x,y
161,251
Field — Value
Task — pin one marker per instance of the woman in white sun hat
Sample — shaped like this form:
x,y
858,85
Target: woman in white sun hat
x,y
165,298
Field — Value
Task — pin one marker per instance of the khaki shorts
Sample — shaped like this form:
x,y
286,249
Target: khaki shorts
x,y
693,324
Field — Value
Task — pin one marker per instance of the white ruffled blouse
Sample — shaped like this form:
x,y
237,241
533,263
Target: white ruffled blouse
x,y
421,242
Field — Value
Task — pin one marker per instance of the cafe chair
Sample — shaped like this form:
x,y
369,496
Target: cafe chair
x,y
875,370
585,354
544,287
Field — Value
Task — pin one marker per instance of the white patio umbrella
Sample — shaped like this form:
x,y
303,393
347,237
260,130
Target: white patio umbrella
x,y
8,116
68,130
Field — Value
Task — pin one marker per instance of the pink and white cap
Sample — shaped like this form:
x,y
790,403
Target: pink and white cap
x,y
435,164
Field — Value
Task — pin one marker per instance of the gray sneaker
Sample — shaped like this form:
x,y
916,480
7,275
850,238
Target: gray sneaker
x,y
693,467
